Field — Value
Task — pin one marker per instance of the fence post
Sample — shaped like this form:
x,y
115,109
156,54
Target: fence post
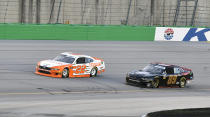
x,y
22,11
30,12
38,11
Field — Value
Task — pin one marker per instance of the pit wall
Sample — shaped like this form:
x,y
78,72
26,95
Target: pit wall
x,y
97,32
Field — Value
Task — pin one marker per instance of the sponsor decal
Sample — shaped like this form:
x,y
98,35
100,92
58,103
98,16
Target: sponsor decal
x,y
194,33
182,34
95,64
169,34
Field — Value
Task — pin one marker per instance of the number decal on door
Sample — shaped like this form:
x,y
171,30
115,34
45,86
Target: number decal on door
x,y
80,69
172,80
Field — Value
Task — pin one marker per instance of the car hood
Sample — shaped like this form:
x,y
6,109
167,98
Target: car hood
x,y
141,74
52,63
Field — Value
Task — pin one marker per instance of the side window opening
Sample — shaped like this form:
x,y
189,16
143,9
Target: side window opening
x,y
177,70
88,60
169,70
80,60
181,70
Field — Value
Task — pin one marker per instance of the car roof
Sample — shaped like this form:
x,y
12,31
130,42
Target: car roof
x,y
75,54
170,65
165,65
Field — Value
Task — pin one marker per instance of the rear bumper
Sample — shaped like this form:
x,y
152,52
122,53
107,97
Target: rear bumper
x,y
189,81
100,71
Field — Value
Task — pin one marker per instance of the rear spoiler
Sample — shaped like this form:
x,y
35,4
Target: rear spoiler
x,y
186,69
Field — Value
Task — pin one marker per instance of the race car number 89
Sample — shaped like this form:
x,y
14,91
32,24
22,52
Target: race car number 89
x,y
172,80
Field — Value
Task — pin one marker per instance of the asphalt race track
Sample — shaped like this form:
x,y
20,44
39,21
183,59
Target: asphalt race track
x,y
24,94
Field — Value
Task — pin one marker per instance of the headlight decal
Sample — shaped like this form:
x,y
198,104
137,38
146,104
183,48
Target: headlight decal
x,y
55,69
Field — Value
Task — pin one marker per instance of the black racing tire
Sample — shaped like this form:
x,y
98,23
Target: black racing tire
x,y
155,83
127,81
93,72
182,82
65,73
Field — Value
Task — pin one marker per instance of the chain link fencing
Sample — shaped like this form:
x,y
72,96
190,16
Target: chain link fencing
x,y
107,12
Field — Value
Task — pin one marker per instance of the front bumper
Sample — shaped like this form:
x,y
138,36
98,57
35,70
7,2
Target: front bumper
x,y
50,73
139,81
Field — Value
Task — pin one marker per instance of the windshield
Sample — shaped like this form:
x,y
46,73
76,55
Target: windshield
x,y
64,58
155,69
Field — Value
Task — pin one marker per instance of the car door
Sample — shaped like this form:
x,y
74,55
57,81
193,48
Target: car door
x,y
80,66
171,77
89,62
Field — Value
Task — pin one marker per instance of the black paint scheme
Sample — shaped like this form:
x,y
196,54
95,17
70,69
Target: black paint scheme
x,y
161,74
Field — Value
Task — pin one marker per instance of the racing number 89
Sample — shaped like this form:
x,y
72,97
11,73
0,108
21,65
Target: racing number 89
x,y
172,80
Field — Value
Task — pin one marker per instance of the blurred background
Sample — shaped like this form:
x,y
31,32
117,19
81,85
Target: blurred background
x,y
107,12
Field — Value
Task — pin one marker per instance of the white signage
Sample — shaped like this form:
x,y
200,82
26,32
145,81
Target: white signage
x,y
182,34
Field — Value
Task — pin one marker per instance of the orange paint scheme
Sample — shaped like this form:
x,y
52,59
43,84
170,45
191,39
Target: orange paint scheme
x,y
51,73
100,71
98,58
58,73
55,69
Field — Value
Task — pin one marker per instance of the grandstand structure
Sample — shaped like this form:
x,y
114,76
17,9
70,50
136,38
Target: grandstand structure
x,y
107,12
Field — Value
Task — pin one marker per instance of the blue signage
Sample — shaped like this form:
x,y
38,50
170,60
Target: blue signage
x,y
194,33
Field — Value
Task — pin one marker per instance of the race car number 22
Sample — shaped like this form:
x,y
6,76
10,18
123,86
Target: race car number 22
x,y
80,69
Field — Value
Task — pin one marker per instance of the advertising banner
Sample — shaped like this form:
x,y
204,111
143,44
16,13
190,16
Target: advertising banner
x,y
182,34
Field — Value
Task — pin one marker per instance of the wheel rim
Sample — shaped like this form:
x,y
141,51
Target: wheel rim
x,y
65,72
182,83
155,83
93,72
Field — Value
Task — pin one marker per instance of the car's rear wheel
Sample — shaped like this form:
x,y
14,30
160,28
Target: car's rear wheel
x,y
93,72
155,83
182,82
65,73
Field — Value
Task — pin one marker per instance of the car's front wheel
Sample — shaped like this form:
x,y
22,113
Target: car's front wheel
x,y
93,72
65,73
155,83
182,82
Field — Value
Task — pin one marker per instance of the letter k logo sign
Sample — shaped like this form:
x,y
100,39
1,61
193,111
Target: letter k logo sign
x,y
200,34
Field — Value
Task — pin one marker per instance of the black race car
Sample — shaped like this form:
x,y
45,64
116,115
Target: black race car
x,y
159,74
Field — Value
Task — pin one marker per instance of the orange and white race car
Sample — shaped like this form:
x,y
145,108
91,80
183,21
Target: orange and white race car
x,y
71,65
